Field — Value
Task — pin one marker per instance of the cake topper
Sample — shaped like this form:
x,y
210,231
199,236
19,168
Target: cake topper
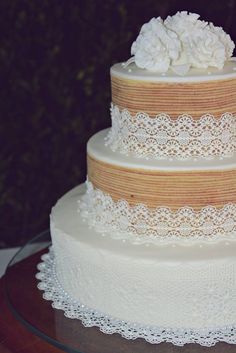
x,y
180,42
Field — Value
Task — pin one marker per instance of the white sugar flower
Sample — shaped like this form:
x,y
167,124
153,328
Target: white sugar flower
x,y
155,46
183,22
203,44
225,40
203,49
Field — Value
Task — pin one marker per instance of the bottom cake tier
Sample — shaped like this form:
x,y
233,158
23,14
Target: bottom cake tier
x,y
174,292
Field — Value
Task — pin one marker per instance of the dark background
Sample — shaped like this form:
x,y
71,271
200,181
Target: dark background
x,y
55,93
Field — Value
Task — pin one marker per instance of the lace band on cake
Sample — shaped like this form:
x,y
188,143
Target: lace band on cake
x,y
73,309
162,137
142,224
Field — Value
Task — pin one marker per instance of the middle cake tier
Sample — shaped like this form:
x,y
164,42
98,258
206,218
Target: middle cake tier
x,y
148,200
161,183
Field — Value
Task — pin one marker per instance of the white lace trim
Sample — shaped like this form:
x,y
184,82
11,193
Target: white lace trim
x,y
162,137
73,309
142,224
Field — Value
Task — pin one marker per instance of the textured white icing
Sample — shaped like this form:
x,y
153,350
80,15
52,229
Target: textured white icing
x,y
181,286
132,72
75,309
97,149
180,42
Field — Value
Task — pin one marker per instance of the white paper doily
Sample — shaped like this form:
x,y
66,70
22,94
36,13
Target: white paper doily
x,y
73,309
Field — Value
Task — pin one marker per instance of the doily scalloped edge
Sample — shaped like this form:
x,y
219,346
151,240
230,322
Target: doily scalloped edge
x,y
73,309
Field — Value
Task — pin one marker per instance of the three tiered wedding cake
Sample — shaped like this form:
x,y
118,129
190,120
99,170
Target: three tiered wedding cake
x,y
147,246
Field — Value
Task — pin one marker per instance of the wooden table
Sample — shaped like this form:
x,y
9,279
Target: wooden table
x,y
14,337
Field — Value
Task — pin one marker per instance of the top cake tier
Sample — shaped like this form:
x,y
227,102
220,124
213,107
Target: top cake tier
x,y
197,93
163,116
176,96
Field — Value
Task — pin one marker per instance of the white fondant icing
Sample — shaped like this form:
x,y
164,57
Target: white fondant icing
x,y
97,149
194,74
65,217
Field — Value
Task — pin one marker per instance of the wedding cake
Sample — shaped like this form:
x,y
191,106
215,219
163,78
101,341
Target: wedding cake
x,y
147,246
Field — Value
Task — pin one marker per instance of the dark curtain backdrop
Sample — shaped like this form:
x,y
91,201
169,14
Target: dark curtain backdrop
x,y
55,93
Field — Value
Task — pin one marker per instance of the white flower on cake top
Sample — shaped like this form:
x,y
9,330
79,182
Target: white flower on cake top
x,y
180,42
